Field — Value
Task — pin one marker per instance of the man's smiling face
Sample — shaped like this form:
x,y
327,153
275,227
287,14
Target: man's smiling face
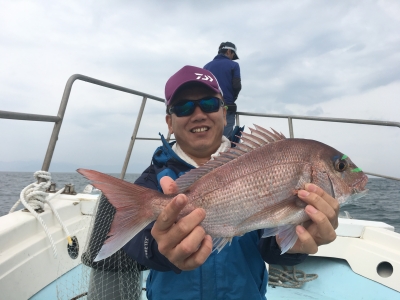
x,y
199,135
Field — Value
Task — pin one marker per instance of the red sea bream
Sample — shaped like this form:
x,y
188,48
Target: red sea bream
x,y
251,186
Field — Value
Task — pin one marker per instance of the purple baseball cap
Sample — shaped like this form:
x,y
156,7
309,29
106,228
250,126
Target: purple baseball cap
x,y
190,74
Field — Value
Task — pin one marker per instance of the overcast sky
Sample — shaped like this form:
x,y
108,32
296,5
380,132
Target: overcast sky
x,y
323,58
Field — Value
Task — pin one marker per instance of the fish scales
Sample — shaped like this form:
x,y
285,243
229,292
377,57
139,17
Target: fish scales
x,y
230,201
253,186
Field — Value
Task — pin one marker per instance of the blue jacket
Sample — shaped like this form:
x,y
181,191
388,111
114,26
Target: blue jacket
x,y
225,70
237,272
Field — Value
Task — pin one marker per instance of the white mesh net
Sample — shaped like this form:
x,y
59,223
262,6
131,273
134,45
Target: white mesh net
x,y
116,277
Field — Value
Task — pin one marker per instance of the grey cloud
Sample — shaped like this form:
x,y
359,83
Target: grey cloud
x,y
315,112
357,47
304,53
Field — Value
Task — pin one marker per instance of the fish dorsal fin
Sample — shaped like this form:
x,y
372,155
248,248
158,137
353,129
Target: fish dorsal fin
x,y
250,141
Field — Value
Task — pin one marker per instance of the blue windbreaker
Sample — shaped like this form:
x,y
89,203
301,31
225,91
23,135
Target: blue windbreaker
x,y
237,272
224,70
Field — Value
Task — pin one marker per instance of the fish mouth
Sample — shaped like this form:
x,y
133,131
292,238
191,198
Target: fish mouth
x,y
359,185
200,129
358,190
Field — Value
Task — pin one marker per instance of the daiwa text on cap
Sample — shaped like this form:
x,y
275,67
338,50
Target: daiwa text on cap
x,y
189,74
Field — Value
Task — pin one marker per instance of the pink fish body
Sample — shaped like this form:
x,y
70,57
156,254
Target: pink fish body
x,y
249,187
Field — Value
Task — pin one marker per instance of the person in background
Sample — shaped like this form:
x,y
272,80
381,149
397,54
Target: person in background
x,y
227,72
179,252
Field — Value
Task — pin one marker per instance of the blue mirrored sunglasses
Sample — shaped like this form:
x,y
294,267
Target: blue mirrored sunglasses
x,y
185,108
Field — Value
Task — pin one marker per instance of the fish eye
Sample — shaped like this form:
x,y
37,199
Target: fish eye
x,y
340,165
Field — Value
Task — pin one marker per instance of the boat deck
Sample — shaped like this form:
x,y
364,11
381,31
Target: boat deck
x,y
336,280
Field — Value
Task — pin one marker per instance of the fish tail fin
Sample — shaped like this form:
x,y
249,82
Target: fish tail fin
x,y
287,235
133,209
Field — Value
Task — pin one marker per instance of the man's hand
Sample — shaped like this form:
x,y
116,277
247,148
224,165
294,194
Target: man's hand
x,y
183,242
323,211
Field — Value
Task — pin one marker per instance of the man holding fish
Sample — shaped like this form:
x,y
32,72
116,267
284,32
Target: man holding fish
x,y
225,217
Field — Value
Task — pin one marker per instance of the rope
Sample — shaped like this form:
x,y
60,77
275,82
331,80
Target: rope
x,y
289,278
35,192
34,197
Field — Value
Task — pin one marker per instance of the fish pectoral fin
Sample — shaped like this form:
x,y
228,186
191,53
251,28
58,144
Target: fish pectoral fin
x,y
304,178
220,242
323,180
286,234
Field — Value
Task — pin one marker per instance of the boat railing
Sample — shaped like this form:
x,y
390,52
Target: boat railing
x,y
57,120
290,119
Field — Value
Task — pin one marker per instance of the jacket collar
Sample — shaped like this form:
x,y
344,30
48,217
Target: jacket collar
x,y
165,153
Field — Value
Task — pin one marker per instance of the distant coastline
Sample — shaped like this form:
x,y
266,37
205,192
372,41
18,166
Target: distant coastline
x,y
33,166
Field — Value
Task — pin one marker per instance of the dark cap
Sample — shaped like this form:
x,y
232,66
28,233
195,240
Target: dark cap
x,y
230,46
190,74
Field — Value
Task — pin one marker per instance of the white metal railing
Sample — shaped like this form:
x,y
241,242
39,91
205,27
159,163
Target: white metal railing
x,y
290,119
57,120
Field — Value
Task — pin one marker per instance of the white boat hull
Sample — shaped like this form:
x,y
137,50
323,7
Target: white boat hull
x,y
365,258
27,263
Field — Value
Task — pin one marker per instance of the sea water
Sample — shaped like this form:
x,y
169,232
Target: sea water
x,y
382,203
